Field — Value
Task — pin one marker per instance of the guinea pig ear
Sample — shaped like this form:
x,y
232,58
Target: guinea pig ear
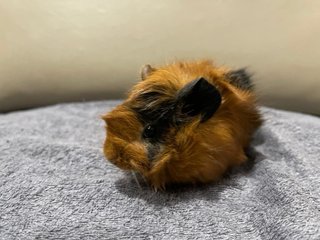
x,y
146,70
198,97
240,78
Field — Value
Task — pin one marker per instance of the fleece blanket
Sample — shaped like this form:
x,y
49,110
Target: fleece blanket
x,y
56,184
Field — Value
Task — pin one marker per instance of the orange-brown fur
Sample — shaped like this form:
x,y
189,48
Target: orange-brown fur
x,y
196,152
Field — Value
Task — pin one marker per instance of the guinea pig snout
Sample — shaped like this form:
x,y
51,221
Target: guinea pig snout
x,y
127,155
114,156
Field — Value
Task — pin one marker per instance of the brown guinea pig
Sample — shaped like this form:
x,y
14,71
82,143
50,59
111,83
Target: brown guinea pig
x,y
187,122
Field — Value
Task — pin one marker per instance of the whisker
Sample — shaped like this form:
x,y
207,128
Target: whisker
x,y
136,179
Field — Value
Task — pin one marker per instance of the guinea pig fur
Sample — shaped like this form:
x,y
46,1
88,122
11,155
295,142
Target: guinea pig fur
x,y
186,122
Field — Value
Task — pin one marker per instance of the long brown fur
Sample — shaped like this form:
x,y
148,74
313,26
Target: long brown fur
x,y
196,152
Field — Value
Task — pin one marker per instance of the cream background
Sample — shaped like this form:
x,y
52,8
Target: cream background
x,y
76,50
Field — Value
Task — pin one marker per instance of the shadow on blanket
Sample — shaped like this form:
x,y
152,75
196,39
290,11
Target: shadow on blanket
x,y
178,193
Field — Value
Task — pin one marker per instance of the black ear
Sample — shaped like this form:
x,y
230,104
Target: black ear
x,y
240,78
198,97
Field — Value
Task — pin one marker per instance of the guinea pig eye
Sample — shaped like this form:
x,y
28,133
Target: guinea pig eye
x,y
149,131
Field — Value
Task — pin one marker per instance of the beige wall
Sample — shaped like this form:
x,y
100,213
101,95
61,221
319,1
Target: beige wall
x,y
73,50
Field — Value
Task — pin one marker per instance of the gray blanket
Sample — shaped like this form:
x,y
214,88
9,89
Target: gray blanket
x,y
56,184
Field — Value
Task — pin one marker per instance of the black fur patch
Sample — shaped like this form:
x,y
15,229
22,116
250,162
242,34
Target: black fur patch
x,y
240,78
156,116
147,114
196,97
154,131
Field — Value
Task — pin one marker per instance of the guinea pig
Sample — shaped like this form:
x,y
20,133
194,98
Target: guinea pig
x,y
186,122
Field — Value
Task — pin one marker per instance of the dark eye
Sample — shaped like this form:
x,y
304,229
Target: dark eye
x,y
149,131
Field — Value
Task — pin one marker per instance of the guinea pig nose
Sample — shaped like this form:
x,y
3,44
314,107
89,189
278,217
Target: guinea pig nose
x,y
149,131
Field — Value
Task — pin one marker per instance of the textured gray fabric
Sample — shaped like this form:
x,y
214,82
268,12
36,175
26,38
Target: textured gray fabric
x,y
55,184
